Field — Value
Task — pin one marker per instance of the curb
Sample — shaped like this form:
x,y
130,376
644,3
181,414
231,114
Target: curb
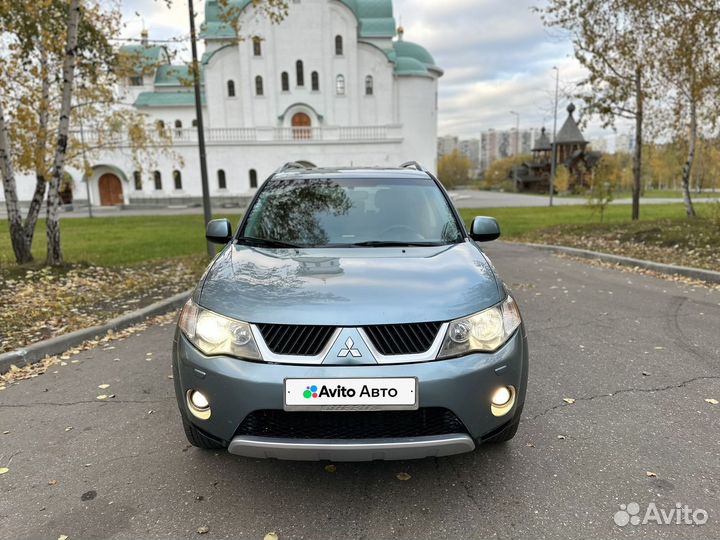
x,y
671,269
38,351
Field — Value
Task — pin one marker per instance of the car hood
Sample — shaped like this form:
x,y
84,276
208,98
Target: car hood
x,y
350,286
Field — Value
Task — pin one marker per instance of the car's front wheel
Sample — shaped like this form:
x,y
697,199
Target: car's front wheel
x,y
198,438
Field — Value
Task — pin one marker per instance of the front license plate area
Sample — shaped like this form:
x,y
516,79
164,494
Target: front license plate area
x,y
351,394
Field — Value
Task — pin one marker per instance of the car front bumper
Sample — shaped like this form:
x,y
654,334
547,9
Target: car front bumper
x,y
235,388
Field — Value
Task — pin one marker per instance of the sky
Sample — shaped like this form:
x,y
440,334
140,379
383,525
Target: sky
x,y
497,56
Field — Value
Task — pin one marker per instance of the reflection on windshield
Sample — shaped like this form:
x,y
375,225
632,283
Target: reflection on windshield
x,y
348,212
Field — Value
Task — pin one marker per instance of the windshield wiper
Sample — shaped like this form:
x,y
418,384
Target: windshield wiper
x,y
265,242
394,243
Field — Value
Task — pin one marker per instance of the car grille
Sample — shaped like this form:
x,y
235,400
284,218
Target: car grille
x,y
392,339
295,339
350,424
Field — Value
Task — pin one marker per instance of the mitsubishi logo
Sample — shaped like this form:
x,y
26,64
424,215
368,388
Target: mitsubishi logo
x,y
349,349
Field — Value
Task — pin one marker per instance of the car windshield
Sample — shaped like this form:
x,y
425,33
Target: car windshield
x,y
317,212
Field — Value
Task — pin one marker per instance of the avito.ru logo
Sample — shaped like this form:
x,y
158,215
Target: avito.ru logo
x,y
679,515
342,391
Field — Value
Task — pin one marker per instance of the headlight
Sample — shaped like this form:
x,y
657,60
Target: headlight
x,y
214,334
485,331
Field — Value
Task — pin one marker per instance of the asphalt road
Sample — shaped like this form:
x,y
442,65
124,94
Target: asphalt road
x,y
473,198
638,354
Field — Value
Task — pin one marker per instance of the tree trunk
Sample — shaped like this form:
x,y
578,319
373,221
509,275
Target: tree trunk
x,y
54,249
40,153
687,168
637,157
17,232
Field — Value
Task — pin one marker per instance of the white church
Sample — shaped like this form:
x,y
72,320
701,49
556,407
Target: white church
x,y
335,83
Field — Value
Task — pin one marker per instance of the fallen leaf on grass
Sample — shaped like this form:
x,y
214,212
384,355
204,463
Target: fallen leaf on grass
x,y
270,536
650,474
330,468
101,397
712,401
568,400
103,386
402,476
3,470
203,530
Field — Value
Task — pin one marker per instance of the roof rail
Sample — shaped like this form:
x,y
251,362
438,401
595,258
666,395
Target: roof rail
x,y
291,165
415,165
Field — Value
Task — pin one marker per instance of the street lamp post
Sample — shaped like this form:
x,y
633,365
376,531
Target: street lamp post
x,y
517,147
553,163
517,131
207,211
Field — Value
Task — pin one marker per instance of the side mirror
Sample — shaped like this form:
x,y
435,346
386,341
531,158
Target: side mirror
x,y
218,231
484,229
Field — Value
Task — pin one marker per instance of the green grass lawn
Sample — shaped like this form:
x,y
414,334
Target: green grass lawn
x,y
113,241
515,222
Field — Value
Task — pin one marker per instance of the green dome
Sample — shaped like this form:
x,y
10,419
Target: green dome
x,y
409,66
375,18
413,50
412,59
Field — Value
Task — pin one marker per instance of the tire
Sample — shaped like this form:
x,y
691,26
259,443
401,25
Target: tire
x,y
198,439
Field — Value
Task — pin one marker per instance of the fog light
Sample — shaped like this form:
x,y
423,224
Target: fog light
x,y
502,400
501,396
199,400
198,404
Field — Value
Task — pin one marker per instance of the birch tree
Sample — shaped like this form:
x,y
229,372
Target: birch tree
x,y
689,68
54,248
22,76
613,41
40,95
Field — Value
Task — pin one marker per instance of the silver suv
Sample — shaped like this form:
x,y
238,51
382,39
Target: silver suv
x,y
350,317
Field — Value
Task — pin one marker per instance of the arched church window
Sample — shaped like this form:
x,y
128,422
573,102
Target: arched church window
x,y
285,81
338,45
300,73
315,81
369,90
